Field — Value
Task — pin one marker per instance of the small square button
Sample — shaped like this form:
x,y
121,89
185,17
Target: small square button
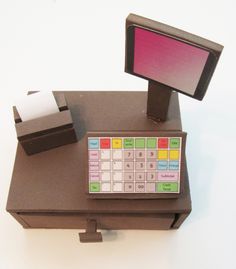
x,y
117,165
94,176
129,187
174,154
128,154
128,143
162,154
128,176
93,143
151,165
117,176
140,187
140,143
162,165
106,187
151,143
175,142
139,165
163,143
150,187
94,187
140,176
105,176
116,143
117,154
140,154
151,154
93,155
129,165
93,166
105,165
151,176
105,143
105,154
117,187
174,165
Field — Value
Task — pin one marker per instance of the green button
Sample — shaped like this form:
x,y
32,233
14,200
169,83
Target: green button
x,y
168,187
151,143
94,187
128,143
140,143
174,142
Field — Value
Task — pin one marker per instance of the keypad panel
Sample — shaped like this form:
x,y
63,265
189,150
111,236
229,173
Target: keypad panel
x,y
144,165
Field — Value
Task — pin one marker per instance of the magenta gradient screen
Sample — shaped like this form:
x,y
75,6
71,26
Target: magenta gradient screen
x,y
168,61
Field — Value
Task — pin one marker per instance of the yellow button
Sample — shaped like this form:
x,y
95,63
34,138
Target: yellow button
x,y
174,154
162,154
116,143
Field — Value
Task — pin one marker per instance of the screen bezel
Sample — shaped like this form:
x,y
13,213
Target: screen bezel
x,y
206,73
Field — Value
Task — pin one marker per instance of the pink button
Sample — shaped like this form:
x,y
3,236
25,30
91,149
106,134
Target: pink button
x,y
167,176
93,166
94,176
93,155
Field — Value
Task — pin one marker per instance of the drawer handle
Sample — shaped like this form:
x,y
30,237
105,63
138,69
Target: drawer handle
x,y
91,234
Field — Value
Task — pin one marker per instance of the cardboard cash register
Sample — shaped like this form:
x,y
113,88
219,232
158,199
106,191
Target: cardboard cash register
x,y
128,168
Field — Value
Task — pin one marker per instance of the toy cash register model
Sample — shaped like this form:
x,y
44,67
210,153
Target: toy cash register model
x,y
122,164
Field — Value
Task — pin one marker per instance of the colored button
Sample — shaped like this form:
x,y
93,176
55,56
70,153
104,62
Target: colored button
x,y
94,187
93,144
163,143
167,176
151,143
168,187
162,154
174,165
174,154
174,142
128,143
116,143
162,165
139,143
105,143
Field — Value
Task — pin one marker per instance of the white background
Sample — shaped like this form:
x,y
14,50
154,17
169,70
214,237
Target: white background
x,y
46,45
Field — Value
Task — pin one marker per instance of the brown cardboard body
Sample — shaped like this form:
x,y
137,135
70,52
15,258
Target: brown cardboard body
x,y
48,189
46,132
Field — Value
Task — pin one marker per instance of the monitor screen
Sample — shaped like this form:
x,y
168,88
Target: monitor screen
x,y
167,60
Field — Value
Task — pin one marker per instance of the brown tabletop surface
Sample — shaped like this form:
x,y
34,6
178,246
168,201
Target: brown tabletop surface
x,y
54,180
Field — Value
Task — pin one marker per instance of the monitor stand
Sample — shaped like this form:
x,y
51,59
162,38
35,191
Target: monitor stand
x,y
158,101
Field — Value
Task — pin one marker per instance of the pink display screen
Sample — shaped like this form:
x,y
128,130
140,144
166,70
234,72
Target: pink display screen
x,y
169,61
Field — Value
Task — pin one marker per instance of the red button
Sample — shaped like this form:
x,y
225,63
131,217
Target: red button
x,y
105,143
163,143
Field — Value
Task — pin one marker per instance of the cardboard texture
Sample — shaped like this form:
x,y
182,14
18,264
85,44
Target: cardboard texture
x,y
46,132
48,189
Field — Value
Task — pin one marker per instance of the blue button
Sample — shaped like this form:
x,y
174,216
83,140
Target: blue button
x,y
174,165
93,143
162,165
